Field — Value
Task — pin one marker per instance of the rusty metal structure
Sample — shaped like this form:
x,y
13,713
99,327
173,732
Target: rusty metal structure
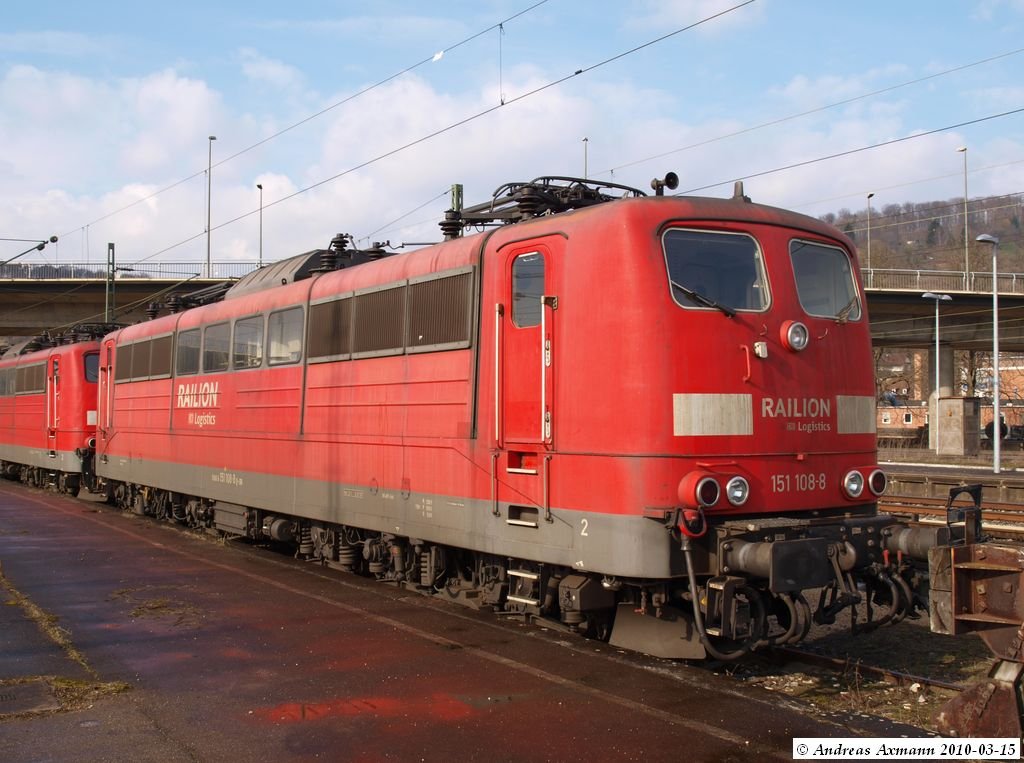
x,y
976,588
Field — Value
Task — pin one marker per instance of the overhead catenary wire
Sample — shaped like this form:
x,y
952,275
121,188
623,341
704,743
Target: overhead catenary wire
x,y
454,125
128,307
553,83
173,246
401,217
501,30
956,210
446,129
819,109
852,151
862,193
422,62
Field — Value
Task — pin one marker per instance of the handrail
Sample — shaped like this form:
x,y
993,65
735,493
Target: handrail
x,y
953,281
92,271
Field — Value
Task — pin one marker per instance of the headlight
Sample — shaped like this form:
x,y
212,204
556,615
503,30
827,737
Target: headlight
x,y
853,484
737,491
795,335
877,482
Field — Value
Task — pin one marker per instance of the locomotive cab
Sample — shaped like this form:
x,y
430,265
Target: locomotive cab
x,y
768,367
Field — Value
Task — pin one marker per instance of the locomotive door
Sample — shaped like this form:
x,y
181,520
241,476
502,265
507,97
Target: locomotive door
x,y
52,403
527,362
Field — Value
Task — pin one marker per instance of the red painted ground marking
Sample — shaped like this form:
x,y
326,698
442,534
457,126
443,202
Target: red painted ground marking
x,y
439,707
236,653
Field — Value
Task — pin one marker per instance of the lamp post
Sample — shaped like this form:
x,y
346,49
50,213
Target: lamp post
x,y
870,196
260,186
209,185
938,298
997,429
586,145
967,258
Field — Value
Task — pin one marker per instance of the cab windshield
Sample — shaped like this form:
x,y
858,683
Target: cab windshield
x,y
824,281
714,270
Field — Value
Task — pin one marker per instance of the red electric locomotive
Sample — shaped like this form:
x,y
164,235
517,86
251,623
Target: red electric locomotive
x,y
645,416
48,412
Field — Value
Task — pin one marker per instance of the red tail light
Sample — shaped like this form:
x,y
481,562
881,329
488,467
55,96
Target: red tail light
x,y
877,482
699,490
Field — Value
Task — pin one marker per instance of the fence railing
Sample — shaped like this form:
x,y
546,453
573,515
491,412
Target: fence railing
x,y
941,280
97,270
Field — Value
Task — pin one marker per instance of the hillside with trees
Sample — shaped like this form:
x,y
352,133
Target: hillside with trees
x,y
930,235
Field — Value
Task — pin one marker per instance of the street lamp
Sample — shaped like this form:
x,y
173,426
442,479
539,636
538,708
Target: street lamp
x,y
938,298
209,182
260,186
870,196
967,259
997,429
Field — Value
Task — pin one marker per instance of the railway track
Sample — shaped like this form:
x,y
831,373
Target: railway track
x,y
846,665
1001,520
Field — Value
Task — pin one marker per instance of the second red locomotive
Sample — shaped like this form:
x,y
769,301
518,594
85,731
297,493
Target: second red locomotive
x,y
48,411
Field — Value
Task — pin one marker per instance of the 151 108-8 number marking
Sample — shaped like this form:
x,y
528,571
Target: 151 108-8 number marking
x,y
785,483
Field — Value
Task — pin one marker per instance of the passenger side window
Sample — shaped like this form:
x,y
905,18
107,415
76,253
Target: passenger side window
x,y
140,360
284,336
216,343
160,360
247,348
187,355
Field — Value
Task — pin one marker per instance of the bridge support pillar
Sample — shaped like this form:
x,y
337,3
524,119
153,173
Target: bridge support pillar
x,y
945,390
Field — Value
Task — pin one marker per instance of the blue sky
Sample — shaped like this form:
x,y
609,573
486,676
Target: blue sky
x,y
106,104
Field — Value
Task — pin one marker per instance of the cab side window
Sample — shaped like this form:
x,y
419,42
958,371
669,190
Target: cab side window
x,y
527,289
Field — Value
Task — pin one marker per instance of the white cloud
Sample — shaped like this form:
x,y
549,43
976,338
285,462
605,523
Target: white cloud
x,y
64,130
263,70
373,27
998,99
803,92
986,10
55,43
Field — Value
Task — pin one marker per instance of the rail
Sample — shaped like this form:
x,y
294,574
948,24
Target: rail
x,y
955,281
91,271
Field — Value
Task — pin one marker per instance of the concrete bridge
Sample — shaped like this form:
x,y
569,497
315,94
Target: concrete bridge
x,y
900,317
36,298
